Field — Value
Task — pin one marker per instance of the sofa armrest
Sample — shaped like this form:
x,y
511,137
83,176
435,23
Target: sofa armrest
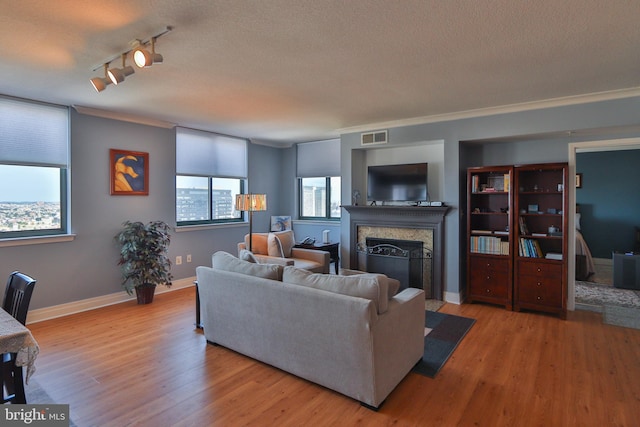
x,y
241,246
321,257
266,259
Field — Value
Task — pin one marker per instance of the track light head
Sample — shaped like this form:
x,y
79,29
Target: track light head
x,y
101,83
143,58
117,75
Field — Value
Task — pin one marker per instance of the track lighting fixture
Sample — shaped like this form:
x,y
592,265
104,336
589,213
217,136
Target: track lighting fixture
x,y
117,75
101,83
143,58
139,54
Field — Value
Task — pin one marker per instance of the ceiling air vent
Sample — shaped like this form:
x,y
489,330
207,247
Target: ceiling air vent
x,y
378,137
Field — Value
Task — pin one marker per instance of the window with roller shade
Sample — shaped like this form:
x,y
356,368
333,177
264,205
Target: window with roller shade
x,y
34,167
318,171
210,170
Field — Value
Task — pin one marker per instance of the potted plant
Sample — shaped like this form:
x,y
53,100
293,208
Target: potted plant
x,y
143,258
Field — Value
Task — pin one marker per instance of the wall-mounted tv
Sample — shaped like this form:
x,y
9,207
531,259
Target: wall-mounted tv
x,y
397,183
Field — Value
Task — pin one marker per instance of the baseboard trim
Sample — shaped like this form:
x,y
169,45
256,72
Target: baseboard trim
x,y
47,313
453,297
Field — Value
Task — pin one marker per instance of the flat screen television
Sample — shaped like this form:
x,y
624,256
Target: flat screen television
x,y
397,183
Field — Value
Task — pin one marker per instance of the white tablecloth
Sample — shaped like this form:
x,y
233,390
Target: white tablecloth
x,y
16,338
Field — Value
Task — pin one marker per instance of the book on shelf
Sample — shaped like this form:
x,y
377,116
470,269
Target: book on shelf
x,y
488,245
475,183
529,248
501,232
506,182
481,232
523,226
538,234
553,255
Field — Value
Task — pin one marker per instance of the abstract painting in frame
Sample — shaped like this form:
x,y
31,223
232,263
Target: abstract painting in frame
x,y
280,223
129,172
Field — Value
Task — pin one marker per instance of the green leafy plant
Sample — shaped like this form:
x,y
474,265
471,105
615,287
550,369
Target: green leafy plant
x,y
143,254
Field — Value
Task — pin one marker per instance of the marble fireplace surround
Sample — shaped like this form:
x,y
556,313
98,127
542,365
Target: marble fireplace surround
x,y
405,223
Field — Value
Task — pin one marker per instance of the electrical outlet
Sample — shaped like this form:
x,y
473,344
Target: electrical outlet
x,y
188,257
178,260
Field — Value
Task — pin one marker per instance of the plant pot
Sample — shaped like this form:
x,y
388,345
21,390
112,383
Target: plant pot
x,y
145,293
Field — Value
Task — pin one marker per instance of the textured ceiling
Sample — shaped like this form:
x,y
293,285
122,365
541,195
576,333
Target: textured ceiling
x,y
279,71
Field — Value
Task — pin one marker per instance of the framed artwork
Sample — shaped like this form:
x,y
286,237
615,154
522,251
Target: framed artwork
x,y
280,223
578,180
129,172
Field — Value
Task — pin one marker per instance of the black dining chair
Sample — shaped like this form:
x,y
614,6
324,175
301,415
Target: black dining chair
x,y
17,297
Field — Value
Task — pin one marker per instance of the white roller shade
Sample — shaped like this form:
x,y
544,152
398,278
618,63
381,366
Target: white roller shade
x,y
33,133
210,154
319,158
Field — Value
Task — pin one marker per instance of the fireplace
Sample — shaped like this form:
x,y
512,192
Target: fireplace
x,y
403,260
424,224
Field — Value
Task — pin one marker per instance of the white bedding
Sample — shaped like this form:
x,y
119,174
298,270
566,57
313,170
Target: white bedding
x,y
583,249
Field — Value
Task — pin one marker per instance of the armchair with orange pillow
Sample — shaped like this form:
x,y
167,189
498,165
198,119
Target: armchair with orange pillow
x,y
278,248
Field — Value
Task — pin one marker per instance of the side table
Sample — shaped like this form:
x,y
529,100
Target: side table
x,y
332,248
626,270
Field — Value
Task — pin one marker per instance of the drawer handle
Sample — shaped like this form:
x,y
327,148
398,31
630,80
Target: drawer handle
x,y
488,264
488,291
539,284
488,277
538,298
539,270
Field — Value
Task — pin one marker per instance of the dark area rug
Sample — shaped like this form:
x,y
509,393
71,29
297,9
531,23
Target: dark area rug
x,y
443,334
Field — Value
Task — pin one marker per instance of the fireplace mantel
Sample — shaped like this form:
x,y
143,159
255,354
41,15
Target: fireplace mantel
x,y
411,217
437,213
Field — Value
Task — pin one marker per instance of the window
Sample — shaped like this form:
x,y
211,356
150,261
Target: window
x,y
320,197
210,170
33,168
318,169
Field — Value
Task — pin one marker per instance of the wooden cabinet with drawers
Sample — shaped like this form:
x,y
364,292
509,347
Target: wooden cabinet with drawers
x,y
489,235
516,236
540,277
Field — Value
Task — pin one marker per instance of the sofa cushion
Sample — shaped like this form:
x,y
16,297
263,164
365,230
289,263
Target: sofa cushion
x,y
247,255
393,285
259,243
280,243
225,261
370,286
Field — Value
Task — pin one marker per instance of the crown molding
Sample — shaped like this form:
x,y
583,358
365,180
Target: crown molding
x,y
115,115
505,109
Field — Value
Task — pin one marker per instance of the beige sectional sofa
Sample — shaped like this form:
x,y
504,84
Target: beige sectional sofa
x,y
350,334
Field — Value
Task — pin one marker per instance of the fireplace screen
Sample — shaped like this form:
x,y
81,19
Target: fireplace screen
x,y
405,260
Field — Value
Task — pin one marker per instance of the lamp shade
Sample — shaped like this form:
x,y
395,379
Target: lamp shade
x,y
251,202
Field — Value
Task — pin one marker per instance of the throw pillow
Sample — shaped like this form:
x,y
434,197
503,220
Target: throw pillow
x,y
287,241
274,246
248,256
259,243
225,261
368,286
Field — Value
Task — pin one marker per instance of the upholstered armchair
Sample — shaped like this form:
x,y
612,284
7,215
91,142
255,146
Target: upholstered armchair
x,y
278,248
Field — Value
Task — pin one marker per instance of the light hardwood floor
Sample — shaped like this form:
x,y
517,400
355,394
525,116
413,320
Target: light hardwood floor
x,y
129,365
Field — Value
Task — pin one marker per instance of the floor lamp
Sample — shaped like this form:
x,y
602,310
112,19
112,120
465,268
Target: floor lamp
x,y
250,203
